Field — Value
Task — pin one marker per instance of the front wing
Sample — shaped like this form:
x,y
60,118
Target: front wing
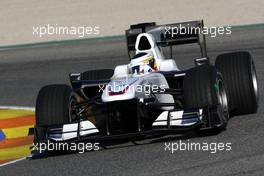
x,y
168,122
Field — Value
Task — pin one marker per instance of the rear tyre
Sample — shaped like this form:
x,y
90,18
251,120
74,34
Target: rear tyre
x,y
52,108
239,73
204,87
97,74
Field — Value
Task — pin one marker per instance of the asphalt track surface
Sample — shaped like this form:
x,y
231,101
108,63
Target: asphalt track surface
x,y
24,71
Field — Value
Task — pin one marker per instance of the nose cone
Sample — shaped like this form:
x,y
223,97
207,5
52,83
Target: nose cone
x,y
118,90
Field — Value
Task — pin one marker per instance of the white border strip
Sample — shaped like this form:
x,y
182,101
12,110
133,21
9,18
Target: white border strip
x,y
13,161
18,108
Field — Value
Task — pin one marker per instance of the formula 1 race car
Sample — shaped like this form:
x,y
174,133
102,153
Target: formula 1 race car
x,y
149,95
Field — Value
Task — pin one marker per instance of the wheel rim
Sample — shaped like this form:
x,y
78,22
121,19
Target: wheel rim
x,y
71,111
222,96
254,80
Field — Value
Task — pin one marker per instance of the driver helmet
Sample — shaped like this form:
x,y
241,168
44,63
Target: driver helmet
x,y
143,63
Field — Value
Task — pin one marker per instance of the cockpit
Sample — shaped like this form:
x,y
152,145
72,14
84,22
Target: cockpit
x,y
143,63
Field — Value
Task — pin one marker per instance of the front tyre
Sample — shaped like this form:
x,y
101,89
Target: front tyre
x,y
52,108
204,87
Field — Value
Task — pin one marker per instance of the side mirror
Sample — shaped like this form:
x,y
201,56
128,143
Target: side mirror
x,y
201,61
121,71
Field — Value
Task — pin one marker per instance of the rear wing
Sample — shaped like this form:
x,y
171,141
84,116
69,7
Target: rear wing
x,y
168,35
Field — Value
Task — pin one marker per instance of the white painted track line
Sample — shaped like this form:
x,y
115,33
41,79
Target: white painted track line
x,y
13,161
18,108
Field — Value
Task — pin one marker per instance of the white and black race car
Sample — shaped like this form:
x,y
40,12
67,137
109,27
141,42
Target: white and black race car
x,y
149,95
